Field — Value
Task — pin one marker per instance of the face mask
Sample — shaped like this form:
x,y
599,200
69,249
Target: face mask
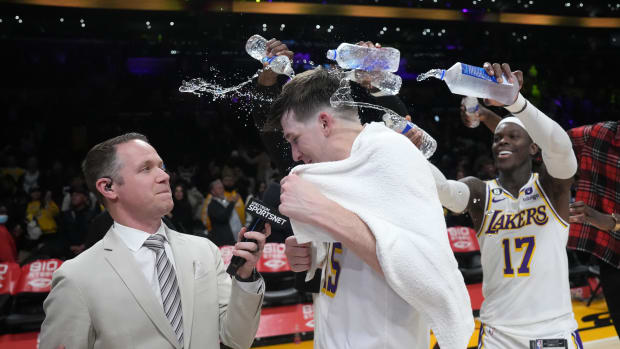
x,y
3,218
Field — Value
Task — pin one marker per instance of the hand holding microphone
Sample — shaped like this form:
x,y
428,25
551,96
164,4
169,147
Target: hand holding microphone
x,y
248,250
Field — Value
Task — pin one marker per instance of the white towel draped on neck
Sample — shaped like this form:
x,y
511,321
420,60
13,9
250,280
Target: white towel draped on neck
x,y
387,183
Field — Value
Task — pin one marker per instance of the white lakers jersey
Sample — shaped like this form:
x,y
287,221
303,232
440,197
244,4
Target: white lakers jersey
x,y
524,262
357,309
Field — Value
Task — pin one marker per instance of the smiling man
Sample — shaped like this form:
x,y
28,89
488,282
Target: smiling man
x,y
145,285
521,219
365,199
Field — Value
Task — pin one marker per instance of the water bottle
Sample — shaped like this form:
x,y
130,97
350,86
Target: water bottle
x,y
401,125
256,46
351,56
384,81
471,111
474,81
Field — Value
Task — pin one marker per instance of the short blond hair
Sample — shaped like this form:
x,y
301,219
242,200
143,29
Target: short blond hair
x,y
305,94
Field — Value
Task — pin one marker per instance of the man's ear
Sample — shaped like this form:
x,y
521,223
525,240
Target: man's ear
x,y
106,188
326,123
534,149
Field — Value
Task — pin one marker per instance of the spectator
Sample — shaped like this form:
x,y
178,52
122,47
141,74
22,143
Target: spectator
x,y
43,212
598,151
229,193
187,170
257,193
262,162
11,169
75,221
8,250
32,174
54,180
231,190
181,214
79,183
222,215
195,199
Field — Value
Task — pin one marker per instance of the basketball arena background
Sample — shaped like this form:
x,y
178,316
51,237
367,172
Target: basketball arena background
x,y
76,70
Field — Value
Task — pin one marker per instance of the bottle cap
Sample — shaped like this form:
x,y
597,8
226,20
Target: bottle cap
x,y
289,70
331,54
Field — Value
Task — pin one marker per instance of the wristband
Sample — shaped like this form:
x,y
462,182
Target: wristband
x,y
253,277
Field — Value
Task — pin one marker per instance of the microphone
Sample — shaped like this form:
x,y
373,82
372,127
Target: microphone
x,y
264,213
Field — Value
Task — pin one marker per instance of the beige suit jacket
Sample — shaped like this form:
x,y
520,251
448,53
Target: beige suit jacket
x,y
101,299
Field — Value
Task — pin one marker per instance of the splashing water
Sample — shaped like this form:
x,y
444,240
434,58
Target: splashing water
x,y
343,97
242,97
434,73
199,86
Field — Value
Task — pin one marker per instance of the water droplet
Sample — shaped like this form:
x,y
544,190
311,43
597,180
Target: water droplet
x,y
435,73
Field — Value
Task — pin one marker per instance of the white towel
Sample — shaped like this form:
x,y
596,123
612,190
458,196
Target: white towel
x,y
387,183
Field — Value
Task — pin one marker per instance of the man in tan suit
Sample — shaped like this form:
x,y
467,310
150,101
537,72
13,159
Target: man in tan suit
x,y
145,285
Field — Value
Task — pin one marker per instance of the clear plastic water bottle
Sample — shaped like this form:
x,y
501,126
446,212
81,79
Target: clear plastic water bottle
x,y
384,81
351,56
256,46
401,125
471,111
468,80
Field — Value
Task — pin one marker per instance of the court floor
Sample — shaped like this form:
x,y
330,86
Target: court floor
x,y
595,328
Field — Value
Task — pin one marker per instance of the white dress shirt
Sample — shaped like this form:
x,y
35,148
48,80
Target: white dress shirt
x,y
145,257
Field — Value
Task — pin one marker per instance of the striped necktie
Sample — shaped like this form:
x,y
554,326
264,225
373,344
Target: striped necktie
x,y
168,286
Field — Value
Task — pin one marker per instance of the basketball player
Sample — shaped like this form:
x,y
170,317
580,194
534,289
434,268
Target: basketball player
x,y
521,220
389,275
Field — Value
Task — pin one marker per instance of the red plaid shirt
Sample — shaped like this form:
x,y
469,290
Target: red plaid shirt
x,y
598,151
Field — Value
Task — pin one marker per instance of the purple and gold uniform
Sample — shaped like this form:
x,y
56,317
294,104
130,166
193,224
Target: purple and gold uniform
x,y
357,309
525,270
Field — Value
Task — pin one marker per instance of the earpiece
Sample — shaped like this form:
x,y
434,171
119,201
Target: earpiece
x,y
108,186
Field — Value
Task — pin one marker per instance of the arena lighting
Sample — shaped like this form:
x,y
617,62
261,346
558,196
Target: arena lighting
x,y
290,8
151,5
549,20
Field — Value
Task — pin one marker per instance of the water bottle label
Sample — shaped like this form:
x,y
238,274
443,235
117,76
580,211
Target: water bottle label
x,y
473,110
476,72
268,59
408,127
